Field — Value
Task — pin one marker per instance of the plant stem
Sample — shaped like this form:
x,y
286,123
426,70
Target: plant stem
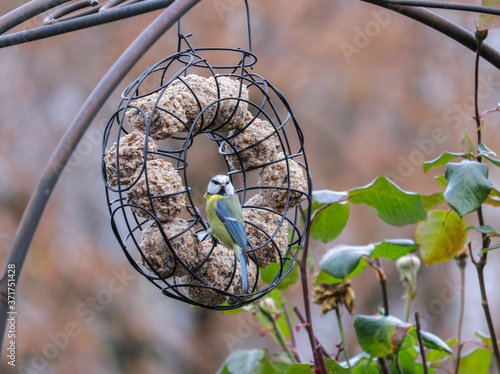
x,y
462,262
377,265
291,328
342,336
316,341
407,305
384,367
421,343
319,360
279,335
481,263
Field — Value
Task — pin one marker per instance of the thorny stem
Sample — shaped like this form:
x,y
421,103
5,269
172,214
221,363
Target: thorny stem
x,y
279,335
342,336
303,321
421,343
319,360
481,263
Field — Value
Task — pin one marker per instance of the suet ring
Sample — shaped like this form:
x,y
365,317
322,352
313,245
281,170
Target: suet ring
x,y
153,213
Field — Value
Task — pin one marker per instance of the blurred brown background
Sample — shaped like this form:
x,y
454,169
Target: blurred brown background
x,y
368,86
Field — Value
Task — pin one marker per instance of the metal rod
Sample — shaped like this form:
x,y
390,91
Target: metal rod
x,y
445,5
25,12
100,18
69,141
444,26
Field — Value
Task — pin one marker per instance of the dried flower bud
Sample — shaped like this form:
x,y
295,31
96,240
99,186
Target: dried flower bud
x,y
407,267
329,296
269,306
481,34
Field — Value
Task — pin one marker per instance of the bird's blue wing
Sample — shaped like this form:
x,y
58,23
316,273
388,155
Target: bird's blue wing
x,y
228,210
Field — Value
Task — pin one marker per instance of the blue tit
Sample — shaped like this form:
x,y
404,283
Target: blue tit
x,y
226,220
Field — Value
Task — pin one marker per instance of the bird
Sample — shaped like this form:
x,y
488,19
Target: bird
x,y
226,220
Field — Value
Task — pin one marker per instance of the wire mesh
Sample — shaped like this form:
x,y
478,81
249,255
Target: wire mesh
x,y
160,118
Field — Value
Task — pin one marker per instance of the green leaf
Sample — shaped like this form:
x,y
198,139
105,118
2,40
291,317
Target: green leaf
x,y
334,367
407,362
466,144
490,248
358,360
493,160
493,198
484,337
244,361
329,221
441,180
432,201
485,151
441,236
392,204
268,366
299,369
268,274
435,342
484,229
477,361
345,261
467,186
327,196
380,336
444,159
489,21
393,249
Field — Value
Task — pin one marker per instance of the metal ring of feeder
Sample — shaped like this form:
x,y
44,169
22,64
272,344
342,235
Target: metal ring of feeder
x,y
147,187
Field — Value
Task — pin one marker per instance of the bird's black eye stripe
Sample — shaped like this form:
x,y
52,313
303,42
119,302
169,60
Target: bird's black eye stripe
x,y
215,181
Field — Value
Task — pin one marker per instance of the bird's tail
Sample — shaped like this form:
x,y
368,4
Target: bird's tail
x,y
244,274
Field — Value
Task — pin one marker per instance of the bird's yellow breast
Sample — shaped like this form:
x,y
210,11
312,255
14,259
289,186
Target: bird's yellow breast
x,y
218,228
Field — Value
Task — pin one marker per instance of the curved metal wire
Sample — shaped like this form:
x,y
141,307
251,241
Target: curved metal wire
x,y
77,16
185,280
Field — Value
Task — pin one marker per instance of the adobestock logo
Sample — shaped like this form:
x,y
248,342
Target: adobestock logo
x,y
363,36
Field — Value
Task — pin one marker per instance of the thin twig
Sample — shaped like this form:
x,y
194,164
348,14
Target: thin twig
x,y
462,262
481,263
377,265
291,328
316,341
421,343
384,366
319,360
342,336
279,335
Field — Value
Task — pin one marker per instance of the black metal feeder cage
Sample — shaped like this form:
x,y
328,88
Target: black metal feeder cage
x,y
145,169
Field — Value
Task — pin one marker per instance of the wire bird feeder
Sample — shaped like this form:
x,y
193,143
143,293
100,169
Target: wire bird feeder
x,y
145,169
